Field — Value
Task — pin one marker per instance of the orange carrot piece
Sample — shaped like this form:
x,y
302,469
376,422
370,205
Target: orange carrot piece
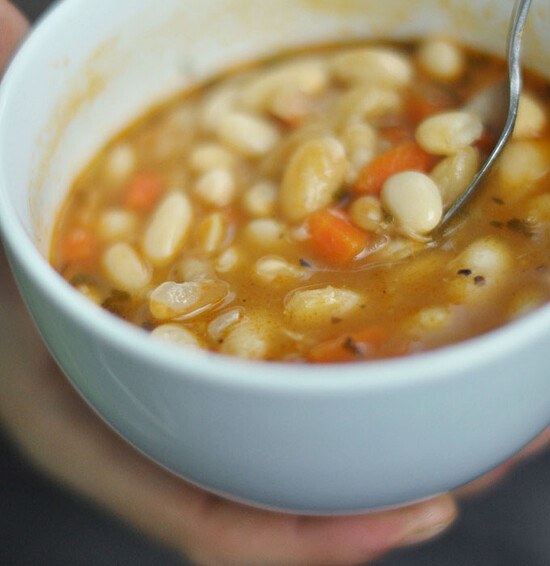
x,y
78,244
334,237
403,157
143,192
348,347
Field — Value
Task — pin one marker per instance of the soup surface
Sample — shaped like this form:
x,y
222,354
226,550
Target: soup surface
x,y
285,210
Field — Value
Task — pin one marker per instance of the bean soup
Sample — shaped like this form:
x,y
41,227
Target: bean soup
x,y
285,210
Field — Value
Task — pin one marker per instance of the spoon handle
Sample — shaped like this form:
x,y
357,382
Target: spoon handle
x,y
512,93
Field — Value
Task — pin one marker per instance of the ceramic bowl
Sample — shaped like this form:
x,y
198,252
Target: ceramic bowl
x,y
309,439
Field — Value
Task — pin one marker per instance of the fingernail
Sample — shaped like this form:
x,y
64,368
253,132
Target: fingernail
x,y
431,518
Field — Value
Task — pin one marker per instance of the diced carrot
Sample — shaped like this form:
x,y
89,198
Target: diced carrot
x,y
334,237
78,244
143,192
408,156
348,347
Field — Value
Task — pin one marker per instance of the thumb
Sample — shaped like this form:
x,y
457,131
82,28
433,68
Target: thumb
x,y
13,27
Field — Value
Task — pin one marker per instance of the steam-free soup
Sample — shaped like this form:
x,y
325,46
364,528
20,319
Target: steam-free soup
x,y
286,210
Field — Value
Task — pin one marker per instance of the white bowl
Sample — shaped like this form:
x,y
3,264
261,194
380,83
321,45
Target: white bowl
x,y
314,439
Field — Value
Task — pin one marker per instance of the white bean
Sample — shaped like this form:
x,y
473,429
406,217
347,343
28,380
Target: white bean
x,y
247,339
531,117
366,212
486,256
308,76
247,134
125,267
121,162
265,232
220,326
483,267
172,300
216,187
196,269
117,224
311,307
431,319
260,199
210,155
176,334
216,105
291,105
168,228
522,163
228,260
453,174
448,132
314,174
441,59
365,103
360,141
274,268
212,232
413,199
378,65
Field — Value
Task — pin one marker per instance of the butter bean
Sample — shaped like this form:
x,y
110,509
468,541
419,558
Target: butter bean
x,y
310,307
168,228
531,117
522,163
373,65
316,171
454,174
413,199
441,59
125,267
216,187
177,334
306,76
448,132
184,300
274,268
248,134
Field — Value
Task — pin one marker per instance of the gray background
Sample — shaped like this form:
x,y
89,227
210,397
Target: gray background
x,y
41,525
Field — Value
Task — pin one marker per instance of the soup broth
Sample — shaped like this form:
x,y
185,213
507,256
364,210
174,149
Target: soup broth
x,y
286,210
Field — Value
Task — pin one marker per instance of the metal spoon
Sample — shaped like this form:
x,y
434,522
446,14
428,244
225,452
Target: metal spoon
x,y
498,106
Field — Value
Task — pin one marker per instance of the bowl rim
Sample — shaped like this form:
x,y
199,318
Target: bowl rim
x,y
224,370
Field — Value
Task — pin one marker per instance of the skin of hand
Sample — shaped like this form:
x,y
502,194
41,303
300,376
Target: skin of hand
x,y
60,435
